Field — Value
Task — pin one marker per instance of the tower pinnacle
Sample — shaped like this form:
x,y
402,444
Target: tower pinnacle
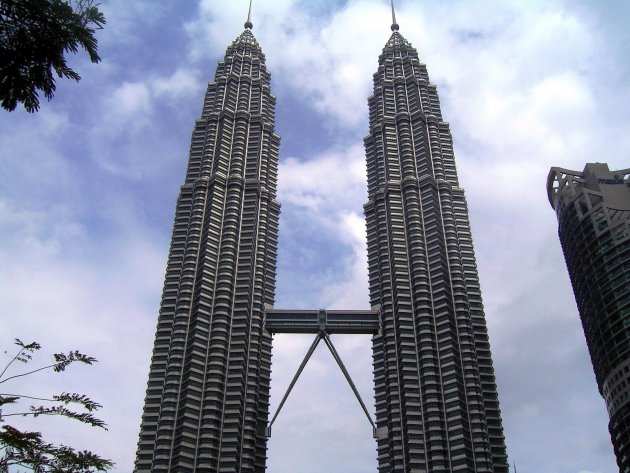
x,y
248,24
395,26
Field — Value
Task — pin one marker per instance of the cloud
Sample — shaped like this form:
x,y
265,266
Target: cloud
x,y
318,182
88,185
128,105
325,192
126,22
309,53
183,82
62,287
126,117
350,291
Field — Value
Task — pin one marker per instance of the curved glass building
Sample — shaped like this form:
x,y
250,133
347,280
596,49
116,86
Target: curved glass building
x,y
593,209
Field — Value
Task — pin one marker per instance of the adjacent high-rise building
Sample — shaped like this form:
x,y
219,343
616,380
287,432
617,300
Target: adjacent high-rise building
x,y
436,399
207,398
207,402
593,210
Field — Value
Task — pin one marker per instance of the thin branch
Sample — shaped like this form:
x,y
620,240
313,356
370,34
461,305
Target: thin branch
x,y
19,463
31,372
11,362
28,397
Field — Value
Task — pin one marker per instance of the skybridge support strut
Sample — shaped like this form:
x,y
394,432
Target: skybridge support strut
x,y
293,381
343,369
321,335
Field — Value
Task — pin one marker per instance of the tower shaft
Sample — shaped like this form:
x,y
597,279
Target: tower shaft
x,y
207,402
436,401
207,399
593,210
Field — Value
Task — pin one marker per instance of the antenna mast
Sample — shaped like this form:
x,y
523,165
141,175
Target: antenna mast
x,y
248,24
395,26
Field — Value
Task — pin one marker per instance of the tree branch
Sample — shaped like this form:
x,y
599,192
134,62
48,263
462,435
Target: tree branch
x,y
30,372
11,362
22,355
27,397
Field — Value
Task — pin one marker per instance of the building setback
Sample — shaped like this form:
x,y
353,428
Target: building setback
x,y
207,402
436,400
207,398
593,210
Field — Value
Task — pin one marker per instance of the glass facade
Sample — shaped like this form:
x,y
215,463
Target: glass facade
x,y
593,210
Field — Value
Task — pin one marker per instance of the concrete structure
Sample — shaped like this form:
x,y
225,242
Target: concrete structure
x,y
593,209
436,400
207,403
207,399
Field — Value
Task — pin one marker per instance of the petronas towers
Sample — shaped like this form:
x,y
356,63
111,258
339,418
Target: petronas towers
x,y
434,382
207,398
207,402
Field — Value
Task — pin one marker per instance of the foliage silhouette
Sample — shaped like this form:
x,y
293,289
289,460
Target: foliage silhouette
x,y
35,35
26,449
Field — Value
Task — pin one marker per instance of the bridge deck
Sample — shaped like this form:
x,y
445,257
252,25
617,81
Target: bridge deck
x,y
315,321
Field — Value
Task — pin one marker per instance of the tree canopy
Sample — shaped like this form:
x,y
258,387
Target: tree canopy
x,y
35,36
20,448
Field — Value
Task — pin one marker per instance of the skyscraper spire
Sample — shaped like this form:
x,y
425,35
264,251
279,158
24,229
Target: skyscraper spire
x,y
207,402
437,408
395,26
248,24
207,398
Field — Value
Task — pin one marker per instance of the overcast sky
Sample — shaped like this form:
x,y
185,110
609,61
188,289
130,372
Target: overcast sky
x,y
88,188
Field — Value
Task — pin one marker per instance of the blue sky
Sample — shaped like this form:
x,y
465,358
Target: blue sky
x,y
88,188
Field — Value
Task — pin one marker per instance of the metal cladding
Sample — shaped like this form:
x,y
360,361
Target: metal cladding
x,y
207,399
593,210
207,403
436,400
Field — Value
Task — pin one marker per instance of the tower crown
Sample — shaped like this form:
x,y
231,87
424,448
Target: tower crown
x,y
246,37
396,39
246,44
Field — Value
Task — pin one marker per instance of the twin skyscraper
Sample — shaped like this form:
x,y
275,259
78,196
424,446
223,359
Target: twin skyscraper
x,y
207,401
